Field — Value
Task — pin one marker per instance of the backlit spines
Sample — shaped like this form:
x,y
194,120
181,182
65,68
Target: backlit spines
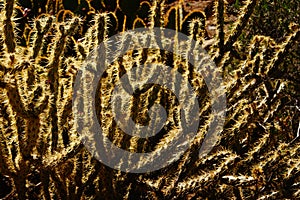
x,y
254,157
41,31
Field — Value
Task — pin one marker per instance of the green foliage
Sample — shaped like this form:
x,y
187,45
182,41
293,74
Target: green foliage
x,y
272,18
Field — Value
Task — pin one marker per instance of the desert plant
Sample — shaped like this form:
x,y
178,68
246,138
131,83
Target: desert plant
x,y
43,156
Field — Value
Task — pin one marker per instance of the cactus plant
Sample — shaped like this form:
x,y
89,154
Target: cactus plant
x,y
144,10
41,153
139,23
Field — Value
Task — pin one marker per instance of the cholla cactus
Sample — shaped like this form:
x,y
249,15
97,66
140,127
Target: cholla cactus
x,y
42,156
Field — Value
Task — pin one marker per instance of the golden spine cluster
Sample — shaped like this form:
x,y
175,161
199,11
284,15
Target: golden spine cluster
x,y
41,154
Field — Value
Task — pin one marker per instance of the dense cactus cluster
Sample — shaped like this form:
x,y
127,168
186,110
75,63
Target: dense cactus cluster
x,y
44,43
